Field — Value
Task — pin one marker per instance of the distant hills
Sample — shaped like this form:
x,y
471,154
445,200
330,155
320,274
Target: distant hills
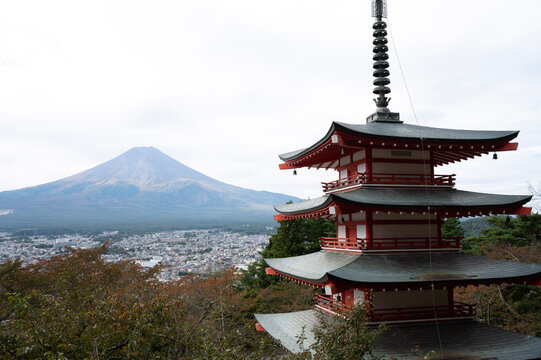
x,y
142,187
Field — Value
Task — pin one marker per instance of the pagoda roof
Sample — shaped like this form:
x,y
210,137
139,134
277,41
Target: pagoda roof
x,y
459,340
411,269
407,132
402,198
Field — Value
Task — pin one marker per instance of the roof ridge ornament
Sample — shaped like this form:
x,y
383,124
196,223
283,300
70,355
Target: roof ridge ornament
x,y
381,72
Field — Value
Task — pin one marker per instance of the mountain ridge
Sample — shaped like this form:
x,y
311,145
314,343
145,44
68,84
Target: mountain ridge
x,y
142,183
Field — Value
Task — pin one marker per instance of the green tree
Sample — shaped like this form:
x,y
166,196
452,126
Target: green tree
x,y
346,338
452,228
292,238
504,231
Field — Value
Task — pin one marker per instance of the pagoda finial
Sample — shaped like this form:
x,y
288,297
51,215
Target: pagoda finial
x,y
382,114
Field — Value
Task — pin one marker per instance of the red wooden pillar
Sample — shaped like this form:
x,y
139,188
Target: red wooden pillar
x,y
368,155
369,229
451,299
348,297
439,222
431,164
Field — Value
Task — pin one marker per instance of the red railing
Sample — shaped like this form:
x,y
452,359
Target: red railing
x,y
415,243
342,243
390,243
328,303
390,179
425,312
457,309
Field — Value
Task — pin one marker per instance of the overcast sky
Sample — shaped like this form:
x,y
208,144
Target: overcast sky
x,y
225,86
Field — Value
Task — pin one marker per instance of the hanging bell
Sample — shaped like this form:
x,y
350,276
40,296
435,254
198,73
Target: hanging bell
x,y
495,156
294,172
343,151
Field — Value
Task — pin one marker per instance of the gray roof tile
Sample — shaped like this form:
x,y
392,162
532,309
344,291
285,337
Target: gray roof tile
x,y
459,340
415,269
406,199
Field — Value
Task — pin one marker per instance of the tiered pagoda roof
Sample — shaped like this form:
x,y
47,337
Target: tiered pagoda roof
x,y
403,270
390,252
451,201
448,145
459,339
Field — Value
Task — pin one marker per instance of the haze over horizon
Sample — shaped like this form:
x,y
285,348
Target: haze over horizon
x,y
224,87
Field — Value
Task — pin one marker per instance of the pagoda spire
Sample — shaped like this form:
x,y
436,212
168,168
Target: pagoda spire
x,y
381,71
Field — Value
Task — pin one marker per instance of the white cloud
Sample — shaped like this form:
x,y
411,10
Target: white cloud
x,y
226,86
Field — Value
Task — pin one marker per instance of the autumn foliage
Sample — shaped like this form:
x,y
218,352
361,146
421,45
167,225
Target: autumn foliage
x,y
78,306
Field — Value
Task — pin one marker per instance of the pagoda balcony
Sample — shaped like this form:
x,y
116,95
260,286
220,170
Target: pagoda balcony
x,y
390,180
421,313
457,310
383,244
326,303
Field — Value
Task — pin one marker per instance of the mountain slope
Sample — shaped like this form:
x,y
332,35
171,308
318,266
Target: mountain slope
x,y
143,184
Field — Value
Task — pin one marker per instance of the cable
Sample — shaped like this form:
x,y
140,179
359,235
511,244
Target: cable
x,y
426,194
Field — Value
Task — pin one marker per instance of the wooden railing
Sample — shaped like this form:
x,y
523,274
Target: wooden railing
x,y
390,243
328,303
425,312
457,309
390,179
342,243
415,243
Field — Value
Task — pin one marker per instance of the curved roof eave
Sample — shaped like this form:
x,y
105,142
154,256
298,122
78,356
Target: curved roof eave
x,y
300,207
294,154
407,132
406,199
402,269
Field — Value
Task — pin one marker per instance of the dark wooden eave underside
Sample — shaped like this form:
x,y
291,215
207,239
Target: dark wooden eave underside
x,y
419,200
446,145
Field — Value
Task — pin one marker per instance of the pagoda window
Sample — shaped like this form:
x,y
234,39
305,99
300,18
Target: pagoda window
x,y
361,231
361,168
341,232
343,174
358,296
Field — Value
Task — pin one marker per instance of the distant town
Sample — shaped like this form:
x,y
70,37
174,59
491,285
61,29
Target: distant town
x,y
179,252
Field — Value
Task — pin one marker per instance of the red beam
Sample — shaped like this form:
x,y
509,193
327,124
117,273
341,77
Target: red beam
x,y
523,211
286,166
259,328
507,147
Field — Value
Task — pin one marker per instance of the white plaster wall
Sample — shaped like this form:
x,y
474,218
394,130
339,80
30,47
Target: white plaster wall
x,y
359,155
341,231
358,296
358,216
345,160
361,231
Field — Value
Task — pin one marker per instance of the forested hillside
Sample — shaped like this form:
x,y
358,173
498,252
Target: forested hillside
x,y
77,306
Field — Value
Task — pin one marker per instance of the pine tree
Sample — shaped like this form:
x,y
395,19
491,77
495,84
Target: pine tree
x,y
292,238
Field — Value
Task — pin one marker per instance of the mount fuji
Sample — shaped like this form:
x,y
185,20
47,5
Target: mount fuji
x,y
141,186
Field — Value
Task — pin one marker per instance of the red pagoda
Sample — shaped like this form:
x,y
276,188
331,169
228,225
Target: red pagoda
x,y
389,205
